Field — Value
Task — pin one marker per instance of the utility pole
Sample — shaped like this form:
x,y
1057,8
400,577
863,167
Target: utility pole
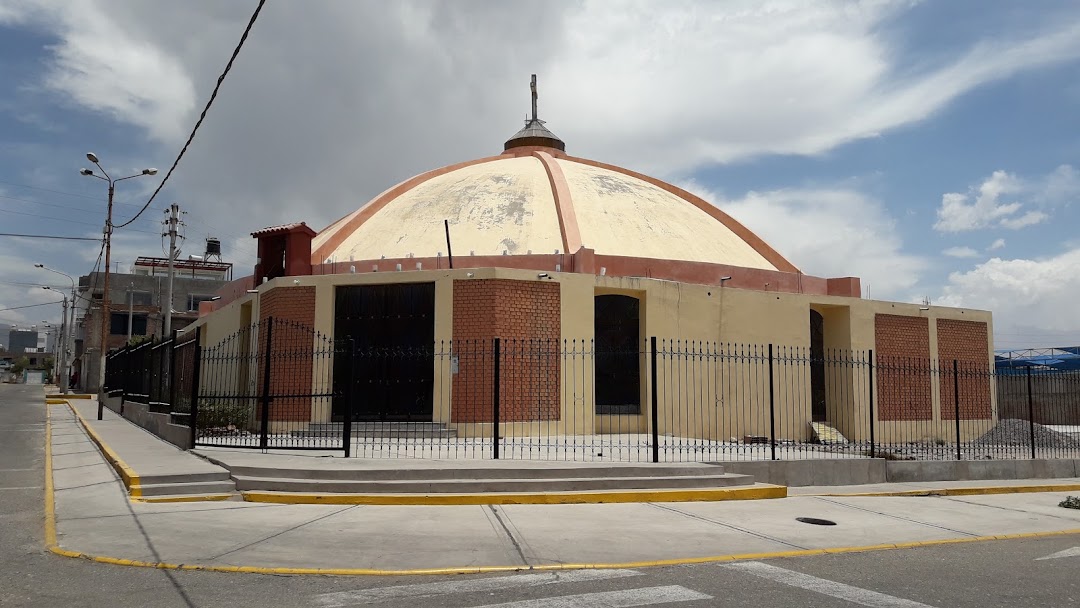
x,y
105,315
171,225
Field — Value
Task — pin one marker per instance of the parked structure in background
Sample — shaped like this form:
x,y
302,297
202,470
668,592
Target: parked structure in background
x,y
141,295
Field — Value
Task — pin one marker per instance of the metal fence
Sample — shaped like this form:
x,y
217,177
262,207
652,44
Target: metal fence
x,y
276,384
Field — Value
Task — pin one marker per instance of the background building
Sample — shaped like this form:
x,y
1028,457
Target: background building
x,y
137,304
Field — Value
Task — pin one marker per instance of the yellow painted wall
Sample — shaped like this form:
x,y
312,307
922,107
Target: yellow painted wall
x,y
710,402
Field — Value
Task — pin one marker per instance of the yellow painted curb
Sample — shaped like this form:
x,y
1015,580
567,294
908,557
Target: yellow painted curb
x,y
525,498
963,491
130,477
71,396
184,498
50,503
51,544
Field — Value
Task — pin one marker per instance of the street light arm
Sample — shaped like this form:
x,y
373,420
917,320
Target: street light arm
x,y
145,172
44,267
103,171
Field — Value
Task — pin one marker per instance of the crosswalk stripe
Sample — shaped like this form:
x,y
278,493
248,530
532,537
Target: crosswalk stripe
x,y
855,595
382,594
647,596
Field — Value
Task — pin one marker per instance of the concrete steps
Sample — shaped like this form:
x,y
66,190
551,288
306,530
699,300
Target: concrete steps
x,y
506,478
185,484
478,486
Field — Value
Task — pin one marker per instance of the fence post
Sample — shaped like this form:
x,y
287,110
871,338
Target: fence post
x,y
655,408
104,392
346,427
956,401
193,409
264,426
772,407
172,375
495,401
1031,412
870,376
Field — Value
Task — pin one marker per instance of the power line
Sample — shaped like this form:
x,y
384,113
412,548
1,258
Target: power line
x,y
64,207
96,198
60,219
31,305
49,236
202,116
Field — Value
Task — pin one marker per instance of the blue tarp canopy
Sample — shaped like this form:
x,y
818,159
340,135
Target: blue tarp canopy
x,y
1058,358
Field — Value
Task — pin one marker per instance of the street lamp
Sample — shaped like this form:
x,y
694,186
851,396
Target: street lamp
x,y
61,363
70,334
108,258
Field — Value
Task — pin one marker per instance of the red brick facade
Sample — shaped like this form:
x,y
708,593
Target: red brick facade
x,y
967,343
291,350
526,315
902,348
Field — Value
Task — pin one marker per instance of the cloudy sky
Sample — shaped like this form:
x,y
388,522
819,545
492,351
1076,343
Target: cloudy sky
x,y
930,148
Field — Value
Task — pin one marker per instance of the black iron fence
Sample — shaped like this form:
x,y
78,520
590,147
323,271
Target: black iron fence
x,y
277,384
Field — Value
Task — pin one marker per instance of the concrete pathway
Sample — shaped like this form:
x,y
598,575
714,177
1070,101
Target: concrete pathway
x,y
96,518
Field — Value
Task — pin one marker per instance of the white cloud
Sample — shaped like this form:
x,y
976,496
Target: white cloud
x,y
362,95
959,213
997,244
1033,300
1028,219
1062,186
828,233
986,207
961,252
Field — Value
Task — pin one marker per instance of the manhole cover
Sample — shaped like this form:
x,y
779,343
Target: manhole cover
x,y
816,521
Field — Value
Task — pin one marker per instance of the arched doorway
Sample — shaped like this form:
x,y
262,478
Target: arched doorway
x,y
818,410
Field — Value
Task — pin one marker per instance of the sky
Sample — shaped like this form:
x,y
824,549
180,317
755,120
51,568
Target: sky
x,y
930,148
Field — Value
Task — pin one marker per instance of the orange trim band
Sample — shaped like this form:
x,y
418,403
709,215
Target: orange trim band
x,y
564,204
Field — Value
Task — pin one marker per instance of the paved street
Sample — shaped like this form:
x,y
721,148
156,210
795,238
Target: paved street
x,y
995,573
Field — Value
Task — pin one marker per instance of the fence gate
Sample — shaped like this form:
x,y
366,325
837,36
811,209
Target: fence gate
x,y
270,386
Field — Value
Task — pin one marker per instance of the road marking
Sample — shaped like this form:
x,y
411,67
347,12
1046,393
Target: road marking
x,y
1074,552
14,470
612,599
20,488
855,595
476,585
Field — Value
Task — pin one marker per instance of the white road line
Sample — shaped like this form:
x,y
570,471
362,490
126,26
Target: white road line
x,y
855,595
20,488
612,599
383,594
1074,552
12,470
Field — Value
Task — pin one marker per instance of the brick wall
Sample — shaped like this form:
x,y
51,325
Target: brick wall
x,y
292,350
902,348
526,316
966,342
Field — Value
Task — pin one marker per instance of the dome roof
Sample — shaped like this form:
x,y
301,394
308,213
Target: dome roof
x,y
534,198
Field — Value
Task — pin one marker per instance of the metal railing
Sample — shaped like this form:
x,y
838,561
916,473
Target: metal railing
x,y
277,384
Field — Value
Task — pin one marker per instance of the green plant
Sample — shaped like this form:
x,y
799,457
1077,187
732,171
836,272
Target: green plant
x,y
20,364
214,415
1072,502
137,340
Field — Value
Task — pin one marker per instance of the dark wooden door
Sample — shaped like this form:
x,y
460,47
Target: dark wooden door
x,y
818,409
392,328
617,348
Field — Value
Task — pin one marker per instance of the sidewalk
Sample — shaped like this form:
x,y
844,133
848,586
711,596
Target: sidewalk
x,y
96,518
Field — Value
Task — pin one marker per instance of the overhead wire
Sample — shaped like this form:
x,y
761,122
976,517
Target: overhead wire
x,y
202,116
48,236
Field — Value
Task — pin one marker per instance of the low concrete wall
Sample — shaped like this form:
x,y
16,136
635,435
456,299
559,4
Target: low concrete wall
x,y
156,423
794,473
839,472
901,471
